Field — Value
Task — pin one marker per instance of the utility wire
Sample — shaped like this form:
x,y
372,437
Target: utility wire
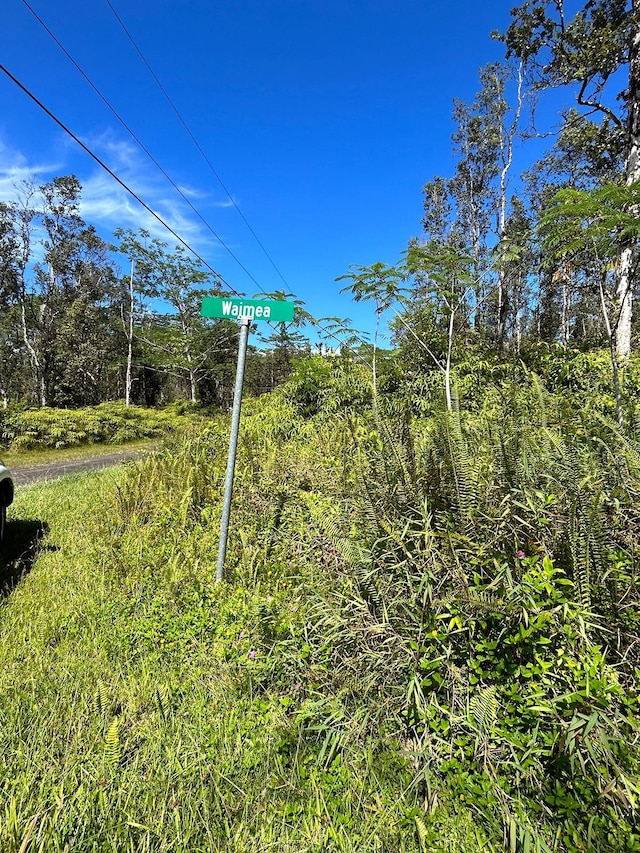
x,y
137,140
119,180
143,204
204,156
194,140
141,145
150,210
159,166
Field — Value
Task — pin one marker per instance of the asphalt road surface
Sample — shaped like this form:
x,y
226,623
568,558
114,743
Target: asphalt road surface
x,y
22,476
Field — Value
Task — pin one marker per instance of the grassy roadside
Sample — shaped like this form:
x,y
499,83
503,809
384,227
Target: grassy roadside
x,y
407,654
145,707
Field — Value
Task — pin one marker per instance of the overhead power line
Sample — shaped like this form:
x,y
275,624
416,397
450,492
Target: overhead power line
x,y
141,145
133,194
137,140
142,203
183,122
116,178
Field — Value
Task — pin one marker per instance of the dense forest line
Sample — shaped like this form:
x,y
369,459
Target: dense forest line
x,y
75,330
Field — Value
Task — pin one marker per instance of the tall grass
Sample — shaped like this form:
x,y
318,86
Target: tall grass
x,y
486,585
426,640
145,707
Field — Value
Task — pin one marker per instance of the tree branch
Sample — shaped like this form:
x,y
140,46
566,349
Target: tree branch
x,y
597,106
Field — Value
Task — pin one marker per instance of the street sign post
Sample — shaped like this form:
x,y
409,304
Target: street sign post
x,y
246,311
251,309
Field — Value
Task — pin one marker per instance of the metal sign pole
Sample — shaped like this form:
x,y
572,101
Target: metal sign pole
x,y
245,322
246,311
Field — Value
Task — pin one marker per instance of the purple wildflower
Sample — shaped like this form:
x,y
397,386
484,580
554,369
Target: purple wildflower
x,y
253,654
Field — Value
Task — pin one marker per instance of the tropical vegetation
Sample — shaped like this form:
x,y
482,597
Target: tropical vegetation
x,y
427,634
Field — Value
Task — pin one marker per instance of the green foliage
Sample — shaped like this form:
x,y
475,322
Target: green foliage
x,y
573,379
486,587
377,282
329,384
164,710
112,423
586,49
600,220
426,637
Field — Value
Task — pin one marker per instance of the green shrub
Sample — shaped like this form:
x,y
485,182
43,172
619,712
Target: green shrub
x,y
329,384
112,423
486,598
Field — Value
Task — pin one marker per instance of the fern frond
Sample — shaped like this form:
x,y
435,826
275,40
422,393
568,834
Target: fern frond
x,y
459,460
112,747
483,710
101,698
422,832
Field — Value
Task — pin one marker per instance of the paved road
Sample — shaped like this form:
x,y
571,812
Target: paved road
x,y
22,476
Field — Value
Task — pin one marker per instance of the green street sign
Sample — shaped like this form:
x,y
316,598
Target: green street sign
x,y
247,309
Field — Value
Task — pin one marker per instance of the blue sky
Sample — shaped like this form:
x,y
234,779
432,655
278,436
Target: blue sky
x,y
323,118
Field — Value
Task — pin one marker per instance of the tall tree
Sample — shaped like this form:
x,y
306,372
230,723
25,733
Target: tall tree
x,y
74,282
16,240
515,259
586,154
469,211
586,51
177,280
594,221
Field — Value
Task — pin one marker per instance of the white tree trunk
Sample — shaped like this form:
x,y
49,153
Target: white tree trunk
x,y
627,257
507,137
128,380
38,380
564,321
625,304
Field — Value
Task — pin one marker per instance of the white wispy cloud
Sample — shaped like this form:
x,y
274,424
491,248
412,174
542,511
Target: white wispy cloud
x,y
16,169
193,193
106,204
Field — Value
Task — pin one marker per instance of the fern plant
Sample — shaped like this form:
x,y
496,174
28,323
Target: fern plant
x,y
112,745
480,568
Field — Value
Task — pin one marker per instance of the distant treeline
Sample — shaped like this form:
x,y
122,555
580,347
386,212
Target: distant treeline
x,y
76,328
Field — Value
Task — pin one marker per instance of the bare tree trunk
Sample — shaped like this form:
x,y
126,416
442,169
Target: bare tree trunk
x,y
625,271
36,369
564,320
447,370
25,214
127,392
506,144
187,333
374,364
615,367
